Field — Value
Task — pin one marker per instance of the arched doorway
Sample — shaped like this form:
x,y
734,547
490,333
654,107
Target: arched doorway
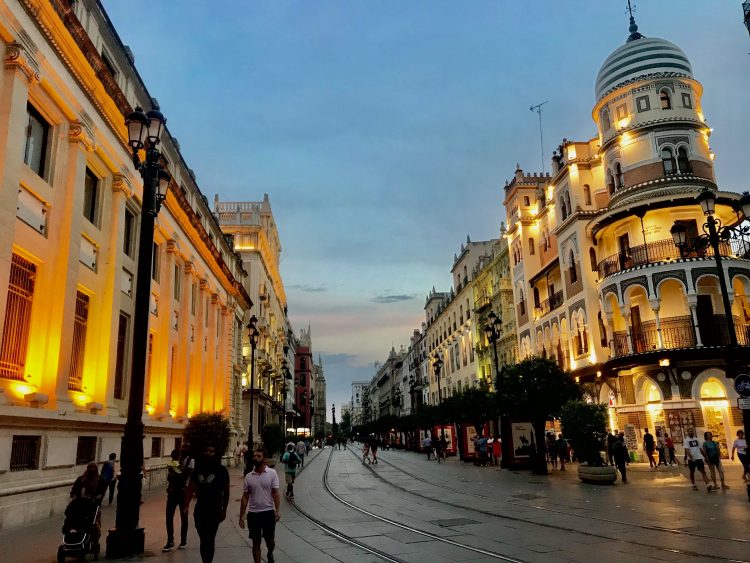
x,y
715,407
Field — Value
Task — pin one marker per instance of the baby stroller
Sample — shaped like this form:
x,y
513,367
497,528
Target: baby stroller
x,y
80,533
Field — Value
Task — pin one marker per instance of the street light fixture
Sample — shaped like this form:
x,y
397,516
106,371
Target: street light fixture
x,y
253,336
493,329
437,365
144,131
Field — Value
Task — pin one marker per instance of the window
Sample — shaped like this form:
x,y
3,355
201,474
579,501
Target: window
x,y
683,163
573,271
177,282
91,197
537,301
303,363
85,450
37,135
155,447
129,233
531,246
592,259
602,331
80,322
155,262
667,159
526,201
122,342
622,112
687,101
24,453
17,318
619,180
610,182
193,297
642,103
665,99
586,194
110,66
606,124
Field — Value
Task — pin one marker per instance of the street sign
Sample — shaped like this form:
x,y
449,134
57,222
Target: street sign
x,y
743,404
742,384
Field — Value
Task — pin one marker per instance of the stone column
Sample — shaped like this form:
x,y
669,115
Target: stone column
x,y
629,329
655,306
692,299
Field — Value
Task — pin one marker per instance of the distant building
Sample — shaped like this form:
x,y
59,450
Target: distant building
x,y
319,402
358,393
303,372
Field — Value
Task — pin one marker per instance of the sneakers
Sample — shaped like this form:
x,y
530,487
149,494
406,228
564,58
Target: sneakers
x,y
695,487
183,545
168,547
710,488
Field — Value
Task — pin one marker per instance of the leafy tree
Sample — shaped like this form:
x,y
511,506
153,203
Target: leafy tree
x,y
273,439
586,427
472,405
345,427
535,390
207,429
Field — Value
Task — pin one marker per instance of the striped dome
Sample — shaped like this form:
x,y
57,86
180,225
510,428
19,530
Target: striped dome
x,y
639,58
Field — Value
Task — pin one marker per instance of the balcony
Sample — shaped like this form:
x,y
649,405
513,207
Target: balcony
x,y
663,251
548,305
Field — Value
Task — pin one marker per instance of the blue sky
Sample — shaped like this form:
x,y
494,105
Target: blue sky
x,y
383,131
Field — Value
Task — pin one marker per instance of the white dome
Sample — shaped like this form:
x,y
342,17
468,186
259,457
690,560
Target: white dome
x,y
641,57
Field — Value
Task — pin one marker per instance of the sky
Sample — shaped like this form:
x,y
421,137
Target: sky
x,y
383,130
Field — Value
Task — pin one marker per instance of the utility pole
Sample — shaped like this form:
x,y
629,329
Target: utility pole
x,y
538,109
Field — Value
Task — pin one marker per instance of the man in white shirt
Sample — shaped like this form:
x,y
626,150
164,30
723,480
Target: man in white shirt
x,y
695,459
301,451
261,491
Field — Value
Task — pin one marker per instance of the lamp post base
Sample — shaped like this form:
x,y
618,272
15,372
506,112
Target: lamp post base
x,y
124,543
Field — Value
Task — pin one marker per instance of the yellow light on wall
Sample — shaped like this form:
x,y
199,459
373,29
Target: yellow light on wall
x,y
598,374
571,152
81,399
664,363
712,156
623,123
626,139
150,409
578,379
715,402
173,413
21,389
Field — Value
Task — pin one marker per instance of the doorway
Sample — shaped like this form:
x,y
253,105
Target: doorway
x,y
706,324
639,342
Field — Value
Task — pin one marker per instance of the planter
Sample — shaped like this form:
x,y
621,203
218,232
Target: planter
x,y
605,475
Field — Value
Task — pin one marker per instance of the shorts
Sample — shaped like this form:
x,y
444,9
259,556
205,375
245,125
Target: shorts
x,y
696,464
289,477
261,524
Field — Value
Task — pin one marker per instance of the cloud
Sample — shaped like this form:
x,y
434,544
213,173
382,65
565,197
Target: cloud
x,y
308,288
393,298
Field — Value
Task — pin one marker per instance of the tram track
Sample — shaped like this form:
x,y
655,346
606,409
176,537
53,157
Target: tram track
x,y
352,541
559,527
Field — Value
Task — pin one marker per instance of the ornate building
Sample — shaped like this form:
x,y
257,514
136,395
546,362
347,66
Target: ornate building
x,y
303,359
319,400
252,228
639,322
70,207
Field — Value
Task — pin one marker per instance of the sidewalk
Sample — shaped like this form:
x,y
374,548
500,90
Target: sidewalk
x,y
38,543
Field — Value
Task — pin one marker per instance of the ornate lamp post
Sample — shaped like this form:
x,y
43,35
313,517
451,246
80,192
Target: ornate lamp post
x,y
493,329
285,374
144,132
713,235
412,393
437,365
253,335
311,411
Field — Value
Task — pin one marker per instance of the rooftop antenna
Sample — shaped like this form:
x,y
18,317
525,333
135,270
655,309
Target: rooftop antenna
x,y
538,109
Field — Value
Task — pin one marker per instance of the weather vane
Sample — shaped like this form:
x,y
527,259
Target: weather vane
x,y
631,8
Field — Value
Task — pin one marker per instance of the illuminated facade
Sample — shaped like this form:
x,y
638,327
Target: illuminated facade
x,y
600,285
68,243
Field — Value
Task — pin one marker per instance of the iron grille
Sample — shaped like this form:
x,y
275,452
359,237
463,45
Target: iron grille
x,y
17,318
85,450
75,376
24,453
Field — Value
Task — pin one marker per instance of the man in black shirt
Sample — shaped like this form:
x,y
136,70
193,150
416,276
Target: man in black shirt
x,y
649,446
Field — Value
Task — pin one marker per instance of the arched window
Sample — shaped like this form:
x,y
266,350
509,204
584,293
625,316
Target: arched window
x,y
572,269
592,259
602,331
665,98
586,194
605,120
531,246
619,181
567,203
610,182
667,159
682,160
563,208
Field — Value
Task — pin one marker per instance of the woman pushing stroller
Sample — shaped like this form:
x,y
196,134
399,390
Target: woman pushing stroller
x,y
83,523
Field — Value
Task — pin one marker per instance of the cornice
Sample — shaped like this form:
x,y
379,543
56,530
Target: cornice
x,y
18,58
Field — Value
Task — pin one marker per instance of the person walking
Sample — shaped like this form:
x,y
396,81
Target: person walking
x,y
262,504
695,459
176,489
669,444
291,460
620,455
427,445
91,485
366,452
661,450
712,452
497,449
301,450
649,445
210,484
549,442
611,441
110,473
482,443
739,446
435,445
374,449
561,446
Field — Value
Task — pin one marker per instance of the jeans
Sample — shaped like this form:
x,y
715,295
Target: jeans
x,y
111,486
174,501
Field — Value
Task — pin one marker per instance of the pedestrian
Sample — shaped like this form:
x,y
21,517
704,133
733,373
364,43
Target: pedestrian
x,y
561,445
261,500
660,448
209,483
176,489
649,445
611,441
740,446
301,450
374,449
669,444
435,445
238,455
366,452
497,451
110,473
482,443
427,445
549,442
712,453
620,455
695,459
91,485
291,460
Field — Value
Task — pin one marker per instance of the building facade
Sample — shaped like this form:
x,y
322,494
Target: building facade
x,y
358,394
68,265
303,360
638,321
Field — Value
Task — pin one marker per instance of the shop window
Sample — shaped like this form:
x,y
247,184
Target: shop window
x,y
80,324
155,447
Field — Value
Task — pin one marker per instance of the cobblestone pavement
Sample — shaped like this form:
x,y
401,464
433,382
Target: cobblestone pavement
x,y
419,510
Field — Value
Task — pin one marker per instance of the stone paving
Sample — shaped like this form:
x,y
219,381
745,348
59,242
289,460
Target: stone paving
x,y
657,516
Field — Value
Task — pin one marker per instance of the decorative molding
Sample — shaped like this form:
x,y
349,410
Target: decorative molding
x,y
679,275
121,183
203,285
695,273
738,272
80,132
189,267
638,280
19,58
214,298
172,247
580,304
611,288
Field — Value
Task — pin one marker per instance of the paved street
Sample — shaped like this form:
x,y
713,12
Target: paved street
x,y
424,511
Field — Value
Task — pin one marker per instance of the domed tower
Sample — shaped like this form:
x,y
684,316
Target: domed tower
x,y
648,113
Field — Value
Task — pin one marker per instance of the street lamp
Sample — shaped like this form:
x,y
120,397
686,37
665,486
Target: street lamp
x,y
311,411
144,132
493,329
412,392
437,365
714,233
253,336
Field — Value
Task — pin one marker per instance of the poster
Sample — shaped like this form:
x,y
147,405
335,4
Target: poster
x,y
523,435
631,440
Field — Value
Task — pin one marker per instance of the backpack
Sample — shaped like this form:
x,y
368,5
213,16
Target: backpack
x,y
291,462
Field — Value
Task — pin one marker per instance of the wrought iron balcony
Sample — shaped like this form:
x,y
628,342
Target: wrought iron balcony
x,y
556,300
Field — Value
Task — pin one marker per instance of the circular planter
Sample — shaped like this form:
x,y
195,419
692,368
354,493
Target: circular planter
x,y
605,475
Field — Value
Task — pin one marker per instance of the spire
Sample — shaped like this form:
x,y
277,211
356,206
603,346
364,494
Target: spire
x,y
633,29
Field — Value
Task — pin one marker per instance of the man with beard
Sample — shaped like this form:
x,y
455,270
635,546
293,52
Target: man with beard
x,y
210,484
261,491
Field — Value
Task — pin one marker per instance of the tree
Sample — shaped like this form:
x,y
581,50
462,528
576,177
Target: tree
x,y
535,390
346,423
273,439
472,405
207,429
586,427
